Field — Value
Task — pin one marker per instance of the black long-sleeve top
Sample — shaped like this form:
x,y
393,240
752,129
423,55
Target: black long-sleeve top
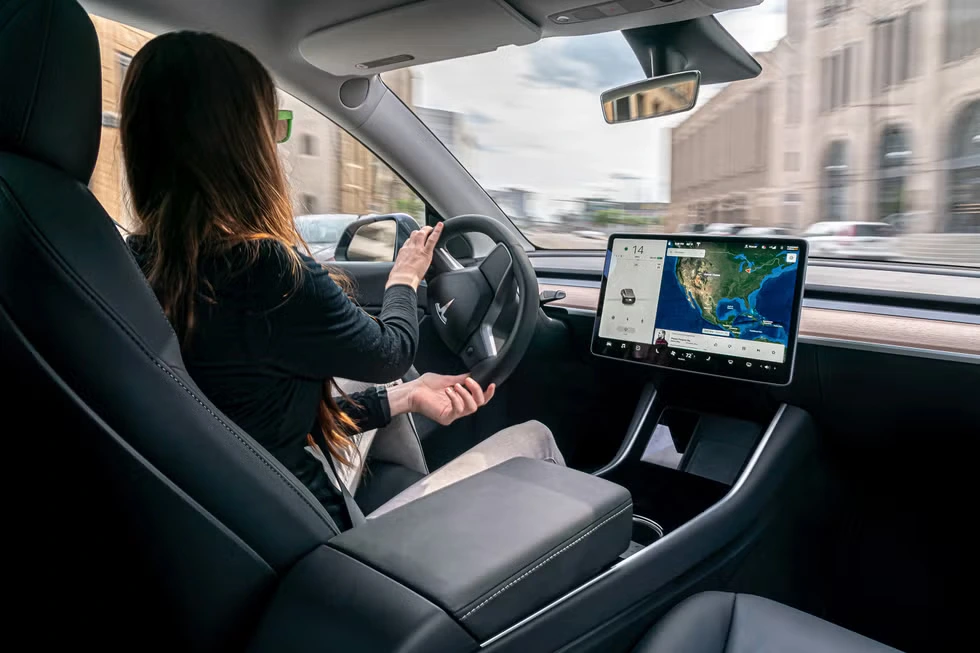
x,y
262,346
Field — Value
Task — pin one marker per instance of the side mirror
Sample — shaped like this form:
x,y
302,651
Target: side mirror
x,y
651,98
375,238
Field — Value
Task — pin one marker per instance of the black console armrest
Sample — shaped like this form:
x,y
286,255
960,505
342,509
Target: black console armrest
x,y
492,548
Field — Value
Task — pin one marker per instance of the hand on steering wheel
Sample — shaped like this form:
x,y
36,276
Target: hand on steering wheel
x,y
415,257
444,399
465,302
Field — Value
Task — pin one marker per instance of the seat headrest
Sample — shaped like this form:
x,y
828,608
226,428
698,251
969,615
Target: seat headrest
x,y
50,76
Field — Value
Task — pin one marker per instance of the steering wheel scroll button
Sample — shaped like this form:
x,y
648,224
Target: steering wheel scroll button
x,y
496,267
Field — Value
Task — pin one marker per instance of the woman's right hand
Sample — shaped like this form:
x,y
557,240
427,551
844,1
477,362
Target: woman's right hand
x,y
415,257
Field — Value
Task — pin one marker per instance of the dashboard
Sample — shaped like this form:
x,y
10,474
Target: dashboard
x,y
719,305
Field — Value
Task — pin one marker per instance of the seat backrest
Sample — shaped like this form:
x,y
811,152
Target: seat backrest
x,y
125,453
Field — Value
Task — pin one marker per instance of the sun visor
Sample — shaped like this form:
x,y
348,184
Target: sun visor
x,y
418,33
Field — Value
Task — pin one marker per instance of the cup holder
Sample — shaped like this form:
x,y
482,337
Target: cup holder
x,y
645,532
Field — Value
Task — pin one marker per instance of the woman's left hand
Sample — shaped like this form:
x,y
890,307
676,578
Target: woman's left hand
x,y
441,398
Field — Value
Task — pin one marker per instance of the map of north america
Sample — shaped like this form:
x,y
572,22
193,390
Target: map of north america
x,y
747,293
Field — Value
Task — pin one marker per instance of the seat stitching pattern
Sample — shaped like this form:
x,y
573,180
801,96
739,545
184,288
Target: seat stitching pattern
x,y
244,442
84,287
40,71
146,282
132,257
731,623
547,560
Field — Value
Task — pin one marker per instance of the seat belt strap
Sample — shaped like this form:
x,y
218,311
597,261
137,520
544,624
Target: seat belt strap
x,y
330,467
353,510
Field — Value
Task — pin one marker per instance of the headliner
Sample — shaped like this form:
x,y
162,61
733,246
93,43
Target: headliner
x,y
273,29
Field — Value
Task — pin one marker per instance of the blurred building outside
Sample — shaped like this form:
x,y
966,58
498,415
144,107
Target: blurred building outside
x,y
619,215
618,205
516,203
865,111
328,170
721,156
117,44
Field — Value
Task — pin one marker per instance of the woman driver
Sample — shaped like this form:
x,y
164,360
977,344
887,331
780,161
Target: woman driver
x,y
263,328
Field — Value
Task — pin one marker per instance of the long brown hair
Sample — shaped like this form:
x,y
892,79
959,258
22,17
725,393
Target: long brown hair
x,y
198,124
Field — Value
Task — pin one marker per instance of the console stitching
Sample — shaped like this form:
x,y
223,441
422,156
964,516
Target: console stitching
x,y
547,560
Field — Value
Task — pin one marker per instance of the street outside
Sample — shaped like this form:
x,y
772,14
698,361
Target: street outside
x,y
934,249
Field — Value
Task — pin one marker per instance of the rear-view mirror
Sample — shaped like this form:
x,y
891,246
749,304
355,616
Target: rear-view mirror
x,y
651,98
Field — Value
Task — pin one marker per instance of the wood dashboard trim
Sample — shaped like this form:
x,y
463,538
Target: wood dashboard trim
x,y
852,326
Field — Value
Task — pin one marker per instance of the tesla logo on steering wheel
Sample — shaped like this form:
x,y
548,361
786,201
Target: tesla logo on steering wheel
x,y
441,310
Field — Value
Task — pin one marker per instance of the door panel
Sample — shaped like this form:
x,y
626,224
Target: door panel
x,y
369,283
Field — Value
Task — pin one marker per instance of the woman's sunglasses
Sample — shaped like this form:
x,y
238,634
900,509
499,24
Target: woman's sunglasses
x,y
284,125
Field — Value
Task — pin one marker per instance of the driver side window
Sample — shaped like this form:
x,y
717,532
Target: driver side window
x,y
332,173
334,179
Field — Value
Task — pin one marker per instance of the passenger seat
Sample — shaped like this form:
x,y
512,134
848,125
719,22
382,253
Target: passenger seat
x,y
721,622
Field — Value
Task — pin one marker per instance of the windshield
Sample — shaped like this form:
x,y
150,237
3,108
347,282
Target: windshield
x,y
873,230
722,228
317,229
866,113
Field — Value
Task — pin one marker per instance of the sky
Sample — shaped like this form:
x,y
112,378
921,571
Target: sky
x,y
534,112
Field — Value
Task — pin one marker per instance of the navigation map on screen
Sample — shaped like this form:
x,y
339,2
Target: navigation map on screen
x,y
724,306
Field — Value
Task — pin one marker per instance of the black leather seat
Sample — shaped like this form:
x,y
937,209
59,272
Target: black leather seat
x,y
145,476
721,622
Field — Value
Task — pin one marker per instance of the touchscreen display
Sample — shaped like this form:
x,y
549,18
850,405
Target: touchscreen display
x,y
726,306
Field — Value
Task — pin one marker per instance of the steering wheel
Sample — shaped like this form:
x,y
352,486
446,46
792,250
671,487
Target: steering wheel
x,y
465,302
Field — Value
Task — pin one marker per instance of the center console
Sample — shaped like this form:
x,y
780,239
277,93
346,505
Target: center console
x,y
709,457
712,306
453,569
530,556
492,548
699,501
679,460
